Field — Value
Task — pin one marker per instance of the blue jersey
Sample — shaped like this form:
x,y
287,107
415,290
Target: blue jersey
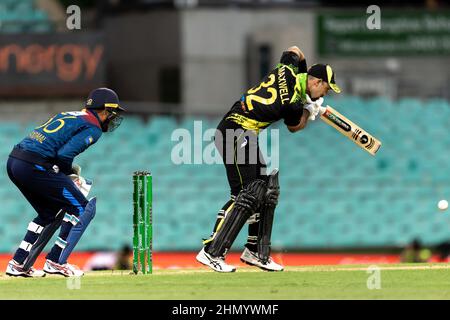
x,y
63,137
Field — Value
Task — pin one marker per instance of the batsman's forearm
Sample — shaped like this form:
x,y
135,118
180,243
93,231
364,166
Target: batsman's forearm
x,y
304,119
297,51
303,122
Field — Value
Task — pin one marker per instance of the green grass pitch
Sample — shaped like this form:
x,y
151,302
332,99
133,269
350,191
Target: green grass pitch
x,y
404,281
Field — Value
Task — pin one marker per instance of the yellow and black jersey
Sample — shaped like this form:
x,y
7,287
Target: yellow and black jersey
x,y
280,95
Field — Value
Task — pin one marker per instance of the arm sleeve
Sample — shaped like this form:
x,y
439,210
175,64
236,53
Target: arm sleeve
x,y
292,114
291,59
76,145
302,67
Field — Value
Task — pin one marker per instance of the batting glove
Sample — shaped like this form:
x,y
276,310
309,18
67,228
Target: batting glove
x,y
314,107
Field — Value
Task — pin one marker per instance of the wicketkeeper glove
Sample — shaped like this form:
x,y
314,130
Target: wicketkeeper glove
x,y
76,169
84,185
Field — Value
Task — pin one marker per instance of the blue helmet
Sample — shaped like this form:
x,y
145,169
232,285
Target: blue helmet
x,y
104,98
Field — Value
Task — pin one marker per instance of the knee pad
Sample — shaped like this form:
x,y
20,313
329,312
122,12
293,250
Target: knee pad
x,y
252,196
273,189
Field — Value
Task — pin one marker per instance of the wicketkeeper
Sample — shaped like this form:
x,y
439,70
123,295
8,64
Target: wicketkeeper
x,y
41,166
290,92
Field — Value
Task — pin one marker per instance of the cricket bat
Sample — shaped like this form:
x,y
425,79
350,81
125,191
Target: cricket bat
x,y
351,130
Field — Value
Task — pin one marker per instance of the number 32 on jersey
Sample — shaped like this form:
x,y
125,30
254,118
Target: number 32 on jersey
x,y
272,92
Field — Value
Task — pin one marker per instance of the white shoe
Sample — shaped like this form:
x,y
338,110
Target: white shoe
x,y
217,264
252,259
67,270
15,269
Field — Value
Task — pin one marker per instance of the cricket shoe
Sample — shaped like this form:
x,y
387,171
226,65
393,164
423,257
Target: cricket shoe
x,y
217,264
251,258
15,269
66,270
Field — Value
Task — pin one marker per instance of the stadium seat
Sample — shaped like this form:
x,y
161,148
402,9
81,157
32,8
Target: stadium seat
x,y
23,17
333,195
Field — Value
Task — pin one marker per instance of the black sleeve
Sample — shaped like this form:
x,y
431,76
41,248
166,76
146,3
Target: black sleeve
x,y
292,114
302,67
290,58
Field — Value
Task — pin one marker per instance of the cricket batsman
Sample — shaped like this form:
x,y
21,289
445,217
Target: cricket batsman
x,y
291,92
41,166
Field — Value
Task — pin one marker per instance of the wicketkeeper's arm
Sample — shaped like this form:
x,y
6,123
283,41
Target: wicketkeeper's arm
x,y
76,145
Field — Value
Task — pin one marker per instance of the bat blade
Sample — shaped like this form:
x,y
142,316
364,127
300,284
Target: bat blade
x,y
351,130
